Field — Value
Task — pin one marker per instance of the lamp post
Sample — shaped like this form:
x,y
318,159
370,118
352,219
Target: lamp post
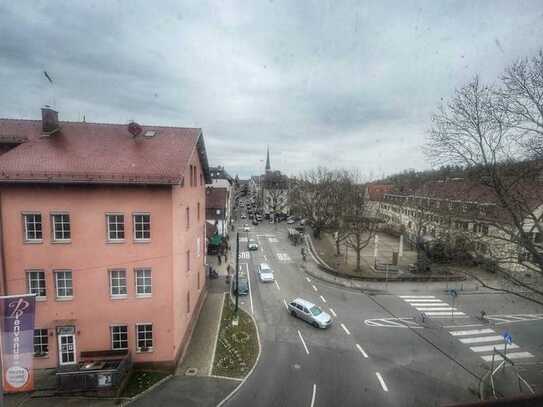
x,y
237,271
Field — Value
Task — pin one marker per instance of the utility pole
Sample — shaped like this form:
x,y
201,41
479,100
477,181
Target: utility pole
x,y
237,270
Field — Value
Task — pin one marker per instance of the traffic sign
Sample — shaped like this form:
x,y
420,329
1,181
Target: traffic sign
x,y
507,338
453,292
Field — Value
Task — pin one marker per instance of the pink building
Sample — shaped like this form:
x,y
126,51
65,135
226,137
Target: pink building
x,y
105,223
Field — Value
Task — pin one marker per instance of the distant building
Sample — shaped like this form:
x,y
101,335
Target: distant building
x,y
272,189
105,223
219,199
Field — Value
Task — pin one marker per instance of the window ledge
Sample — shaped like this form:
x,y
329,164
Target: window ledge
x,y
65,298
41,298
142,240
150,350
120,241
33,241
144,295
118,297
59,241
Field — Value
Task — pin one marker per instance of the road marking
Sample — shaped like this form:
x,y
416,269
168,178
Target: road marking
x,y
284,302
461,326
393,323
436,309
472,332
361,351
333,313
490,348
283,256
444,313
314,288
314,394
383,384
277,284
480,339
265,258
308,279
243,239
419,300
273,239
345,329
428,304
323,300
417,296
250,294
513,355
244,255
303,342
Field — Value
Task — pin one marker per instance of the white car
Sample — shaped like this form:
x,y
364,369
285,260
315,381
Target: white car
x,y
290,221
265,273
246,227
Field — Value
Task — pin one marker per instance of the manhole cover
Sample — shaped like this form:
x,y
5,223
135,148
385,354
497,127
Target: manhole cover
x,y
296,366
191,371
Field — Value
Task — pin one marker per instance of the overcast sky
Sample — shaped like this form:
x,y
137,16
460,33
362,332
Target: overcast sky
x,y
330,83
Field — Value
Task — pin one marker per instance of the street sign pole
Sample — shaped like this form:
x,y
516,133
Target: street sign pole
x,y
237,270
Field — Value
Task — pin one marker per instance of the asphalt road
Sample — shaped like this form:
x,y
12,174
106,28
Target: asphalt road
x,y
353,363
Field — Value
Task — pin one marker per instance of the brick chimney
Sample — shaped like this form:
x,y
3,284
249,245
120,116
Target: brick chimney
x,y
49,120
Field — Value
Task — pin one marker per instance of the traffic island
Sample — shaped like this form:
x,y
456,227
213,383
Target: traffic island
x,y
237,345
141,380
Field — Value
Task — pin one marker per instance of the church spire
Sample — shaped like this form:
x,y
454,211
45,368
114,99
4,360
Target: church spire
x,y
268,166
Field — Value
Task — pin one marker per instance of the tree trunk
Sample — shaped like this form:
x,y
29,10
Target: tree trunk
x,y
338,251
358,254
316,233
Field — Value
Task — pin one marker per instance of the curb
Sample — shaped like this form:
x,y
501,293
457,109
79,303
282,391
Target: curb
x,y
148,390
210,371
233,392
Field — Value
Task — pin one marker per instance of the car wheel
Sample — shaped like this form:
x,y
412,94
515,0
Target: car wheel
x,y
293,313
316,325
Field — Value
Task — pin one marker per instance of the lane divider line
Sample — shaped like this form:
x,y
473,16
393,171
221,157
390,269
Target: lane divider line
x,y
333,313
277,284
345,329
284,302
308,279
314,288
303,342
250,295
314,394
383,384
361,351
323,300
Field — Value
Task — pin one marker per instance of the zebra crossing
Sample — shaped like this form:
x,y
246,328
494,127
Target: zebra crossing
x,y
482,341
487,343
432,306
283,257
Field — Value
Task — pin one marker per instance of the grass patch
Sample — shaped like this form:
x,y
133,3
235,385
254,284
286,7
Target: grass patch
x,y
237,346
141,380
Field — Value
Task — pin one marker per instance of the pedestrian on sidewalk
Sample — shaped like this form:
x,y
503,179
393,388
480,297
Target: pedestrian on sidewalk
x,y
219,258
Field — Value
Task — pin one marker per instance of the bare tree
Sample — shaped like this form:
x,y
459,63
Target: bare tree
x,y
358,224
315,196
492,131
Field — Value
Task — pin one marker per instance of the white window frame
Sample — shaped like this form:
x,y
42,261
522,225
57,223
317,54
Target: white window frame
x,y
54,230
144,278
29,283
198,247
63,297
26,230
139,348
111,328
41,344
135,231
109,238
111,279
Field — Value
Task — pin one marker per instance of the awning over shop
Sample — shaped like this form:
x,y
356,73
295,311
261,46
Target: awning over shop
x,y
215,240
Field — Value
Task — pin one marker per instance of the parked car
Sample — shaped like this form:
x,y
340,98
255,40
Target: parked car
x,y
310,313
290,221
259,218
243,284
243,216
255,222
302,222
252,244
265,273
246,227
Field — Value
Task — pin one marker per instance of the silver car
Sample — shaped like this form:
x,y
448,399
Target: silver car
x,y
309,312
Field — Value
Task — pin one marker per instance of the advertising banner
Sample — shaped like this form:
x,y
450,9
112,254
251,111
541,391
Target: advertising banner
x,y
17,324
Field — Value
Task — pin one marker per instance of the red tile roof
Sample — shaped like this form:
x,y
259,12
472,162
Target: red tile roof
x,y
376,192
216,198
99,153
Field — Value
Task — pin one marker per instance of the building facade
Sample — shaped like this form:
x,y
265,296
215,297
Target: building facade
x,y
106,226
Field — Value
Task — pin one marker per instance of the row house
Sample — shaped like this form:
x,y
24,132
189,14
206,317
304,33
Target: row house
x,y
459,209
105,224
219,199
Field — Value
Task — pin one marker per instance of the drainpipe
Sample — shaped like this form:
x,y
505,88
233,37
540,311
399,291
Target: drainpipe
x,y
2,257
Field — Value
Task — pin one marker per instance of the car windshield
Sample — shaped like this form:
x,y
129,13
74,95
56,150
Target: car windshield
x,y
316,311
